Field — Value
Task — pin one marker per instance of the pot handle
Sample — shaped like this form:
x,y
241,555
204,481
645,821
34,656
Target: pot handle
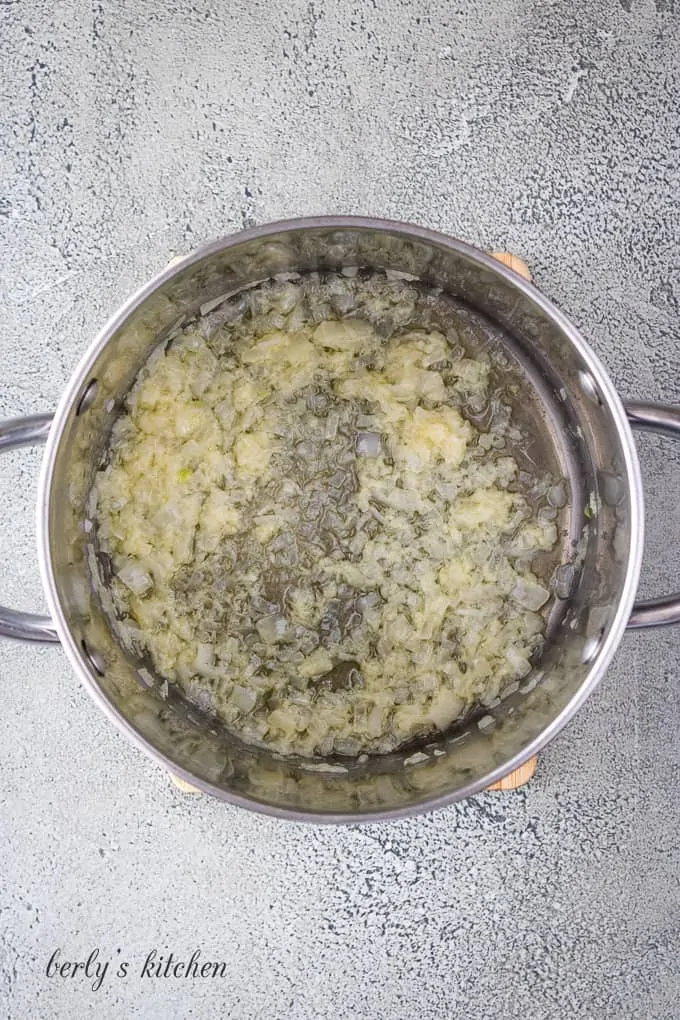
x,y
14,433
664,420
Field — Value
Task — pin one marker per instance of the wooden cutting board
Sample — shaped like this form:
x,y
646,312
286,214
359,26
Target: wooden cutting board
x,y
524,773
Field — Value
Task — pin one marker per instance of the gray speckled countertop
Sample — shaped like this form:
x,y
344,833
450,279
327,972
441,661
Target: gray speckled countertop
x,y
136,130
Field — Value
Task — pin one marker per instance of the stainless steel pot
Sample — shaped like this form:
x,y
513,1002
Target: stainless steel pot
x,y
587,429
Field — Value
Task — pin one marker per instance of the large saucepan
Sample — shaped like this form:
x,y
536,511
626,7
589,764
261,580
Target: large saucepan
x,y
583,427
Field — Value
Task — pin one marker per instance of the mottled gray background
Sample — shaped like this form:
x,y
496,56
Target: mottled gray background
x,y
134,130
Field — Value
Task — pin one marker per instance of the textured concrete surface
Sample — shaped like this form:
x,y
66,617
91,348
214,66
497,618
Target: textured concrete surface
x,y
133,131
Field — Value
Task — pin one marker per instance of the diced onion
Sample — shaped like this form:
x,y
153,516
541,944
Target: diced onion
x,y
529,595
135,577
369,444
308,536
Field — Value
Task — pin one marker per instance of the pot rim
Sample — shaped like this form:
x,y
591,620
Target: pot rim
x,y
606,388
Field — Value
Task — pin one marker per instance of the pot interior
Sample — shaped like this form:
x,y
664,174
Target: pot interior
x,y
577,432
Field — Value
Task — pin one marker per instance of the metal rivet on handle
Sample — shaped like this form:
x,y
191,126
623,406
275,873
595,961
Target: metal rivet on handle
x,y
95,659
589,387
87,399
591,648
